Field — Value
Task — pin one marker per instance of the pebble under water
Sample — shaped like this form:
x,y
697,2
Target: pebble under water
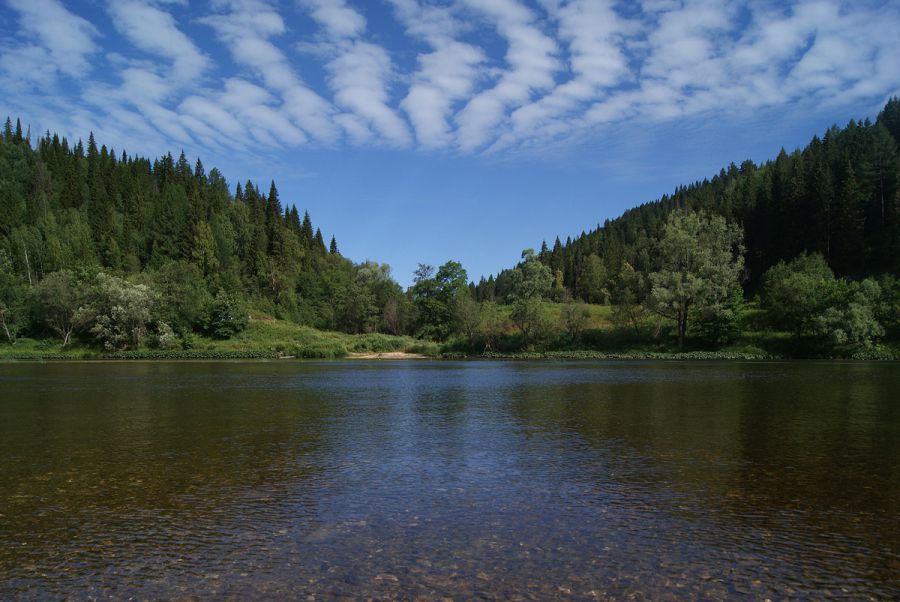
x,y
463,480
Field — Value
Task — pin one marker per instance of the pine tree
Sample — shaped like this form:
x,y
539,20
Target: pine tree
x,y
306,231
274,203
320,241
849,226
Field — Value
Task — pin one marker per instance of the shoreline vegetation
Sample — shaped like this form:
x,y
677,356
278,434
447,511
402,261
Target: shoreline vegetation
x,y
109,256
267,338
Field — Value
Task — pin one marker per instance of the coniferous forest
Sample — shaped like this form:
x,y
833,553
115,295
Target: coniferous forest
x,y
797,256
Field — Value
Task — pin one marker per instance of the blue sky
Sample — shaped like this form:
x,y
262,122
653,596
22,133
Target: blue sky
x,y
426,130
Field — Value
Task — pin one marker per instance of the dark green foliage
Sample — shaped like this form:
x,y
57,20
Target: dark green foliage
x,y
839,197
699,261
435,296
116,249
804,296
174,228
227,316
797,292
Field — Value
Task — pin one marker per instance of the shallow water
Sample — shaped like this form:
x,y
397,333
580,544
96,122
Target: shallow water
x,y
519,480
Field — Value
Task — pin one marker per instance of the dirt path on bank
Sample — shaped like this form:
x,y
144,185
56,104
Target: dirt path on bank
x,y
388,355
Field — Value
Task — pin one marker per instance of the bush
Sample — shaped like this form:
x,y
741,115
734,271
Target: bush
x,y
165,337
118,311
227,316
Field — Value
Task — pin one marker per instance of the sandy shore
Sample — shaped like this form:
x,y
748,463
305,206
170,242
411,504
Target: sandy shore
x,y
389,355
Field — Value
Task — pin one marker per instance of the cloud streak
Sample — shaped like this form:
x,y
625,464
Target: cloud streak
x,y
458,76
67,39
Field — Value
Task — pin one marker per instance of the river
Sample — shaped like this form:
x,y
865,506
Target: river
x,y
496,480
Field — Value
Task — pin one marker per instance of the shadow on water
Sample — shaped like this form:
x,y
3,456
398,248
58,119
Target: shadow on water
x,y
578,480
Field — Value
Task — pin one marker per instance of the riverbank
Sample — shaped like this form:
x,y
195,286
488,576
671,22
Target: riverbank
x,y
272,339
263,339
80,354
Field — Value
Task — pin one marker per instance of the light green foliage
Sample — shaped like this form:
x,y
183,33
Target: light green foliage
x,y
357,308
227,316
203,250
851,321
700,257
796,293
530,284
720,323
375,281
367,299
531,279
804,296
574,319
183,298
530,316
57,301
888,311
118,312
165,337
13,297
392,315
467,318
629,289
592,281
492,324
559,292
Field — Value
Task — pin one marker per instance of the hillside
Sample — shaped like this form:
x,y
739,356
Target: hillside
x,y
76,210
104,253
837,197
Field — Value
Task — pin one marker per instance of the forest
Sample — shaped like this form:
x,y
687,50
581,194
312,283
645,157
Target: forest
x,y
797,257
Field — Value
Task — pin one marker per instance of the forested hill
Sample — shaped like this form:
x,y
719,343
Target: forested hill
x,y
82,208
838,197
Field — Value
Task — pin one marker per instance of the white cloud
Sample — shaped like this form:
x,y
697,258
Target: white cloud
x,y
360,72
593,32
446,75
154,31
67,38
246,29
359,77
338,19
468,76
531,57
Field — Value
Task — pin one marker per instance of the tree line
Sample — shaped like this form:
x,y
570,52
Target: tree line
x,y
837,197
120,251
87,219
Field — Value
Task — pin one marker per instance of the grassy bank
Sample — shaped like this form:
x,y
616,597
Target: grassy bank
x,y
263,339
268,338
613,355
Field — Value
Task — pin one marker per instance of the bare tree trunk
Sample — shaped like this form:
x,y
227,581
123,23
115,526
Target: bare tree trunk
x,y
6,329
27,264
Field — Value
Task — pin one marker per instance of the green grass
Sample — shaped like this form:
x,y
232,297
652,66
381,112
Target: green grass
x,y
269,338
263,339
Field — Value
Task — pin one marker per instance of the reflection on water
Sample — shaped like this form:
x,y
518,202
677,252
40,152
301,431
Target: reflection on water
x,y
585,480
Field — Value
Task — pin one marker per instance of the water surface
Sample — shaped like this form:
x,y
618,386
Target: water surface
x,y
520,480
